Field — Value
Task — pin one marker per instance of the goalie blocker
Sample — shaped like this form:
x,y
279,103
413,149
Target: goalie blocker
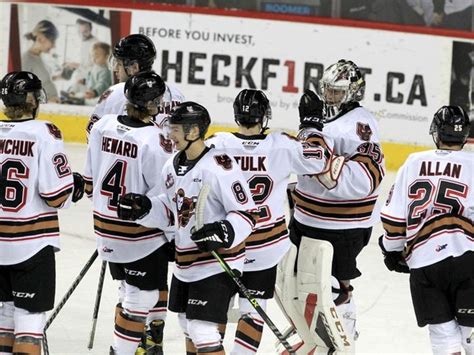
x,y
307,299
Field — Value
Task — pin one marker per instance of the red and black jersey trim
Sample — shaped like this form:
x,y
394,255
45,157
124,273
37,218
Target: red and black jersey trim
x,y
446,223
394,228
43,226
374,170
188,258
57,199
336,210
117,229
266,235
319,141
88,187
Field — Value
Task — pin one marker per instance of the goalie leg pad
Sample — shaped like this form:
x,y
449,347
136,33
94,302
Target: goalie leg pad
x,y
308,300
314,284
445,338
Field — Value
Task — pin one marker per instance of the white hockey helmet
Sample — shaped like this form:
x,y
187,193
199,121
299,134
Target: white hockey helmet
x,y
341,83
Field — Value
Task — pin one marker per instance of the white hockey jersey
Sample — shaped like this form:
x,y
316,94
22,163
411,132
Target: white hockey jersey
x,y
35,180
267,162
351,203
124,155
113,101
429,212
229,199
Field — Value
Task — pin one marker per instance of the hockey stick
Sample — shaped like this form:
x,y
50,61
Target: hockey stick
x,y
63,301
200,205
97,304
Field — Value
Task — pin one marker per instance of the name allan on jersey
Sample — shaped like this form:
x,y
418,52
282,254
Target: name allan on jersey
x,y
429,169
119,147
16,147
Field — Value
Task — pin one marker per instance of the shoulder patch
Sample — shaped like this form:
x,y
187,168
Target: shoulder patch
x,y
224,161
104,95
364,131
54,131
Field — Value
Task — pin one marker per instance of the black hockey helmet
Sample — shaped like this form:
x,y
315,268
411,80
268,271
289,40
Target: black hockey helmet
x,y
450,126
135,48
252,107
190,113
143,88
16,86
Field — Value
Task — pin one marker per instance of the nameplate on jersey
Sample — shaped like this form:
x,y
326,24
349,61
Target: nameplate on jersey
x,y
123,128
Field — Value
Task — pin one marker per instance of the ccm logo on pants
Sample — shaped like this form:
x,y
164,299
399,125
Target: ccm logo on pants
x,y
466,310
23,294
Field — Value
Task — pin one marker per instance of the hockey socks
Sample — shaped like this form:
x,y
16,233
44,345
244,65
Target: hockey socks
x,y
128,332
248,335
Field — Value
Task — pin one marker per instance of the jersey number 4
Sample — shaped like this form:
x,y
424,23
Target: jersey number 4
x,y
113,183
12,190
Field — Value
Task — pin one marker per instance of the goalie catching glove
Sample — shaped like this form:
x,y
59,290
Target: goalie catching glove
x,y
131,207
213,236
331,172
394,260
310,109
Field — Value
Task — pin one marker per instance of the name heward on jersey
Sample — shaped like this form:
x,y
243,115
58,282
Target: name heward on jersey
x,y
119,147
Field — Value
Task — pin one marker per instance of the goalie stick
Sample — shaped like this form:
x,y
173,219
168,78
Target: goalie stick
x,y
200,206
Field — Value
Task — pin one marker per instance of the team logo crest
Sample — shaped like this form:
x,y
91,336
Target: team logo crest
x,y
185,207
166,144
104,95
364,131
169,181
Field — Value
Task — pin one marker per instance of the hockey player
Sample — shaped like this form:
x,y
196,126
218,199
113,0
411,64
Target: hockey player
x,y
35,180
132,54
340,213
267,161
200,290
428,221
126,153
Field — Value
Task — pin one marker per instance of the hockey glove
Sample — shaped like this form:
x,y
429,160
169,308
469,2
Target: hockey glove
x,y
311,110
79,185
131,207
394,260
328,178
213,236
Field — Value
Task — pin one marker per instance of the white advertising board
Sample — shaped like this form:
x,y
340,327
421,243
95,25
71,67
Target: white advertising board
x,y
210,58
4,37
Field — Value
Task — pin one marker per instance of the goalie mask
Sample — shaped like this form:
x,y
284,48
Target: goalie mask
x,y
342,83
21,88
450,126
135,48
144,87
252,107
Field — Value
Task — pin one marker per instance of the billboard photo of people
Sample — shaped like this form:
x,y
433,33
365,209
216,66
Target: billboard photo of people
x,y
68,48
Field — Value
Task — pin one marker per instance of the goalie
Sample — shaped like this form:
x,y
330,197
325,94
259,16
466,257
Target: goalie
x,y
336,207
